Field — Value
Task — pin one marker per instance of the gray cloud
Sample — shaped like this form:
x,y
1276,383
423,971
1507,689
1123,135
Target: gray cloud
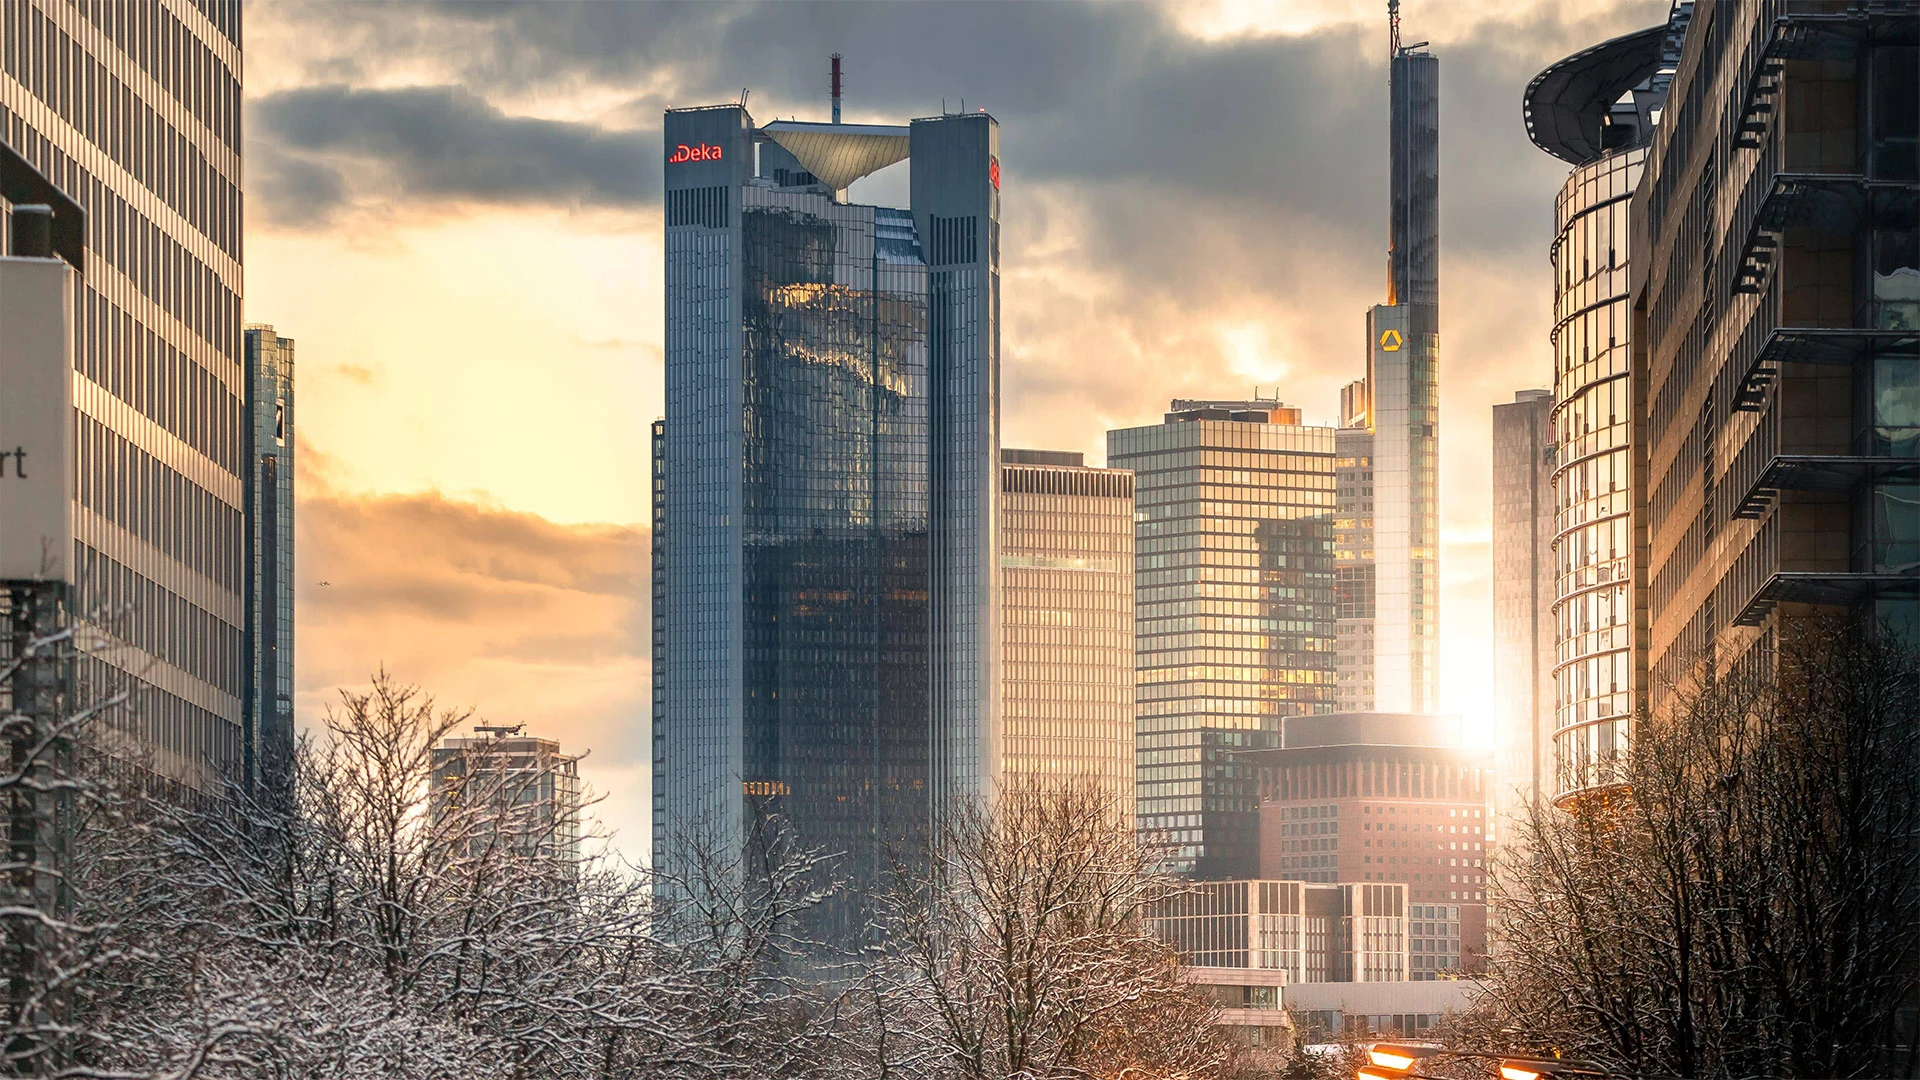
x,y
313,146
1087,93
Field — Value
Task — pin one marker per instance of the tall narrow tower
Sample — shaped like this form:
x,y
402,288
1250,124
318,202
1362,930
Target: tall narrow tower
x,y
1403,350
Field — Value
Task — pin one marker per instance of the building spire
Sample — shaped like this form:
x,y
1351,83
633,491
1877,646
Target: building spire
x,y
1393,28
836,88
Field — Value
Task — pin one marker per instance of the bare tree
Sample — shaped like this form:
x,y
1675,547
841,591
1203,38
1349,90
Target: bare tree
x,y
1021,951
1748,903
366,928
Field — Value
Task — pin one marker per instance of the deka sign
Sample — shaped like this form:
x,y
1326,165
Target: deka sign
x,y
702,152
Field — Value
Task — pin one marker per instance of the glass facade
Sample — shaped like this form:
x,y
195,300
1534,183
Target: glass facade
x,y
1779,361
1234,612
134,111
1066,642
819,511
269,729
1594,675
1353,565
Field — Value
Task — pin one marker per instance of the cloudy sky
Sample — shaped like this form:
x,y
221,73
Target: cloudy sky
x,y
454,210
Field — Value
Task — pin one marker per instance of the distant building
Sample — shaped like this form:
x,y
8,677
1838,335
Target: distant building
x,y
1249,943
525,795
1385,797
1346,932
1330,1011
1523,595
267,737
1233,612
1066,637
1353,562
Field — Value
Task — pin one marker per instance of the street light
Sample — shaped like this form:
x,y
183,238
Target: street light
x,y
1398,1061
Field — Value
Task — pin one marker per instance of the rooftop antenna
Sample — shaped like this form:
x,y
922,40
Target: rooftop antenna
x,y
1393,28
836,88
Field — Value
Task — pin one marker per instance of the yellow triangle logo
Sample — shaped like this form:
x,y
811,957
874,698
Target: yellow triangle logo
x,y
1390,341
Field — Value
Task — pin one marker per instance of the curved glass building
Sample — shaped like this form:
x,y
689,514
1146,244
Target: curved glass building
x,y
1596,110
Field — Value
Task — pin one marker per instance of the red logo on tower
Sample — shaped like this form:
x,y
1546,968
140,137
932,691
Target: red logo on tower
x,y
993,171
702,152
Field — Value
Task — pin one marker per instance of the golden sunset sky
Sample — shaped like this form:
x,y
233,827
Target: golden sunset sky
x,y
454,210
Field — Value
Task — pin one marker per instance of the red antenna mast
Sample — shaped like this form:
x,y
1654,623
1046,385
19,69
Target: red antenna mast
x,y
1393,27
836,88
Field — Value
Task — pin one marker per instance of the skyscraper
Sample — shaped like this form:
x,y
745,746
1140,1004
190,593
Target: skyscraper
x,y
1066,601
1402,405
828,627
1596,110
1233,612
1523,595
134,111
1780,297
268,730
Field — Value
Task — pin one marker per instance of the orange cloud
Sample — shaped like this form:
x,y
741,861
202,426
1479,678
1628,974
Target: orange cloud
x,y
525,620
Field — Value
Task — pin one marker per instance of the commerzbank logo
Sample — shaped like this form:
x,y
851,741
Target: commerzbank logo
x,y
1390,341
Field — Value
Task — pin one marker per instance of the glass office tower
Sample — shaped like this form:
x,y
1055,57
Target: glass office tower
x,y
1595,110
1066,576
1234,609
1401,400
133,109
268,730
826,485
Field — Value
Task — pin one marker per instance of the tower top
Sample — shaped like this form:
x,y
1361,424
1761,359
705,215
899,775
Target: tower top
x,y
836,88
1393,28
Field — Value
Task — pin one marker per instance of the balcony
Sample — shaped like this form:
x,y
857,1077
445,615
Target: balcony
x,y
1817,345
1824,202
1812,587
1821,472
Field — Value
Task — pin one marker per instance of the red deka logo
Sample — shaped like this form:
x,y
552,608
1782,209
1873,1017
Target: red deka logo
x,y
993,171
703,152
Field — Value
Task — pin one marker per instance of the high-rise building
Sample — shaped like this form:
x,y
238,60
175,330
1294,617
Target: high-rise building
x,y
1353,560
828,623
522,796
1780,301
1385,797
1400,401
1066,638
134,111
1596,110
1233,612
267,735
1523,595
